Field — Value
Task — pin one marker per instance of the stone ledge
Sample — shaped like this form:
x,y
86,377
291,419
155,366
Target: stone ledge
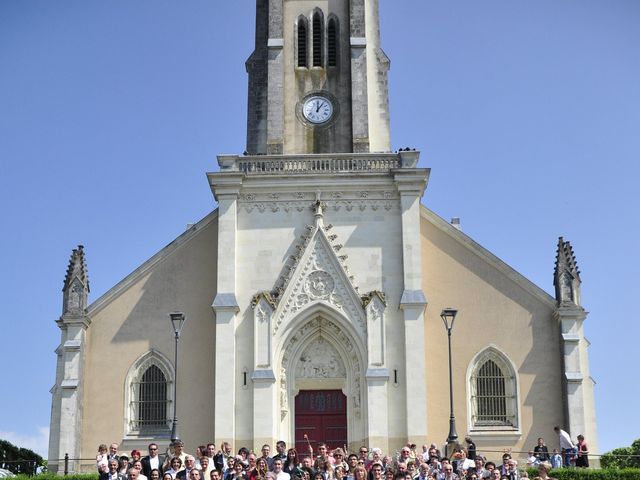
x,y
265,376
70,383
413,298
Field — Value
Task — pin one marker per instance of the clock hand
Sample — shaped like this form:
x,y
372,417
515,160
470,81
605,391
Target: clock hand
x,y
318,105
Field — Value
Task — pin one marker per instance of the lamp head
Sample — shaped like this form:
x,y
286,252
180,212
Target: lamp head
x,y
177,322
448,316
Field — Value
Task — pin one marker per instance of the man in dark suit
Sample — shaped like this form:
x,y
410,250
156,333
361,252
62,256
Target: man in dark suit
x,y
113,451
189,464
113,473
281,449
152,461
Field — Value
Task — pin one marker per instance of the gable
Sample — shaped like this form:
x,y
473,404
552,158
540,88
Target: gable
x,y
464,250
320,277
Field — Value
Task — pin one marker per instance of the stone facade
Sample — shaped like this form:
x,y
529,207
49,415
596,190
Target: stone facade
x,y
320,270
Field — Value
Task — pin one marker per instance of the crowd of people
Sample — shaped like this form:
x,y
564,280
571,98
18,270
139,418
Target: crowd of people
x,y
210,463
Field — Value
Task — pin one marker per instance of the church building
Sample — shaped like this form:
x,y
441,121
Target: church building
x,y
313,292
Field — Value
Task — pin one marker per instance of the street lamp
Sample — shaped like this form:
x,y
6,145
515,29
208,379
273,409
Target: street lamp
x,y
448,316
177,322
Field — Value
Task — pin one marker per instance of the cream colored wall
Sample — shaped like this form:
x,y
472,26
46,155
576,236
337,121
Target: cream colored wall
x,y
492,310
136,321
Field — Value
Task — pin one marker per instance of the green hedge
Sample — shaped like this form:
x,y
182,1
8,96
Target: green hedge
x,y
53,476
591,474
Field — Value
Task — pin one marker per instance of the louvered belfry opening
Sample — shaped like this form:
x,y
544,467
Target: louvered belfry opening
x,y
332,43
317,40
302,43
152,400
491,395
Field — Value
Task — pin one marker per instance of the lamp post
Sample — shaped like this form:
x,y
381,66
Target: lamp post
x,y
177,322
448,316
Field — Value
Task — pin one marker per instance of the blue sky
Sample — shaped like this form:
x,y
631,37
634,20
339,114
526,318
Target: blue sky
x,y
528,114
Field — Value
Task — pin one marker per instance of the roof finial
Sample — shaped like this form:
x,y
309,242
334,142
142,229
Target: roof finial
x,y
319,207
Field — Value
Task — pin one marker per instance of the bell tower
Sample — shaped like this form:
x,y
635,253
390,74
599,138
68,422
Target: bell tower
x,y
317,79
318,144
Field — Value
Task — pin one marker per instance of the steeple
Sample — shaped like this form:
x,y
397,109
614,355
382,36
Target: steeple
x,y
75,291
566,276
317,79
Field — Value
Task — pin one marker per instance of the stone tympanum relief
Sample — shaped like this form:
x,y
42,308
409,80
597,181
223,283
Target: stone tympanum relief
x,y
320,360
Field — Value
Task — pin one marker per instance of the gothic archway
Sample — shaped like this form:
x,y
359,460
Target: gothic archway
x,y
321,351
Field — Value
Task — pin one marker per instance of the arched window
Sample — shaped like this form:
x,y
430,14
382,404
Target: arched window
x,y
493,392
149,395
302,42
317,39
332,43
152,399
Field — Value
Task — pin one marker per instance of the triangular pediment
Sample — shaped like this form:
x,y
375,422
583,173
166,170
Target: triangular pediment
x,y
320,276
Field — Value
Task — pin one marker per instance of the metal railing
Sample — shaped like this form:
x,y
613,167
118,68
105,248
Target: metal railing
x,y
18,467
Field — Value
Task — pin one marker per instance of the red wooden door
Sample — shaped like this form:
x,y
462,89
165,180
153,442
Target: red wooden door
x,y
322,416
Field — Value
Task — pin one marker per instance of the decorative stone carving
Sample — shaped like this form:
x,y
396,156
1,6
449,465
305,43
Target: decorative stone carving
x,y
375,306
266,295
320,279
73,305
261,314
336,200
567,275
367,297
321,357
284,399
319,284
320,360
376,314
76,284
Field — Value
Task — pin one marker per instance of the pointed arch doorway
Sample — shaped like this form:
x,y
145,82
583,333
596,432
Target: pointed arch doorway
x,y
321,415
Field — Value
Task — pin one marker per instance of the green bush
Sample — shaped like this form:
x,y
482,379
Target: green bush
x,y
19,460
53,476
625,457
591,474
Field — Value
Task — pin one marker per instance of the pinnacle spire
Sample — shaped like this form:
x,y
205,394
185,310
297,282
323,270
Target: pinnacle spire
x,y
566,278
76,283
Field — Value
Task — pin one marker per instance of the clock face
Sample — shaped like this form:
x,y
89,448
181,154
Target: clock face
x,y
317,109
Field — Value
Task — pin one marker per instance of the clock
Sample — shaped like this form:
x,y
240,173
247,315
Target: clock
x,y
317,109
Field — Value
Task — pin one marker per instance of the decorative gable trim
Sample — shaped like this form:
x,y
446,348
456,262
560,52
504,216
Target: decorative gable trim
x,y
315,274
